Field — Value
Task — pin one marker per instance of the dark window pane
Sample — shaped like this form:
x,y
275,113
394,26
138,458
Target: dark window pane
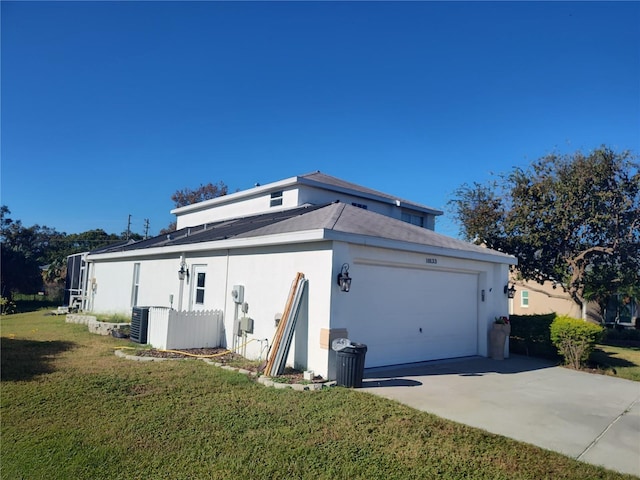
x,y
200,296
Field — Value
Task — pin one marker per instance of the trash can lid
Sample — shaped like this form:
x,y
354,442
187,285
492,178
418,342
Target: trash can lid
x,y
340,344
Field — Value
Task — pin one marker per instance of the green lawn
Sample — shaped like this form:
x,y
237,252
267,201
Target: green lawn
x,y
618,361
73,410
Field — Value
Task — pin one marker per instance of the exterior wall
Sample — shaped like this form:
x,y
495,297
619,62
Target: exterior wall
x,y
114,279
112,287
291,197
266,274
259,203
319,196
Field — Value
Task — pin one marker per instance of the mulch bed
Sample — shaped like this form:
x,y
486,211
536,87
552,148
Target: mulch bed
x,y
222,355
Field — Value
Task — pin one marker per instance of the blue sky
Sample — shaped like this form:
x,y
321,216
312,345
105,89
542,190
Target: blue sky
x,y
110,107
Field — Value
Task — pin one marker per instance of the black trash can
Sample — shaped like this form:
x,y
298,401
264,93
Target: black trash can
x,y
350,365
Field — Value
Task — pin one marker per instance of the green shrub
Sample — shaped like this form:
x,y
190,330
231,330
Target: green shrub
x,y
530,335
575,339
626,337
7,306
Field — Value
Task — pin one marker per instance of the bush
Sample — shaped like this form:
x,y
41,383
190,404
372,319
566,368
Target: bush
x,y
575,339
7,306
530,335
623,338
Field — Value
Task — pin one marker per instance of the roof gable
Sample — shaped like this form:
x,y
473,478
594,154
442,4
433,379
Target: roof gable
x,y
328,182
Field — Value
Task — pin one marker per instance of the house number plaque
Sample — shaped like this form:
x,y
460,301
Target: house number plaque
x,y
432,261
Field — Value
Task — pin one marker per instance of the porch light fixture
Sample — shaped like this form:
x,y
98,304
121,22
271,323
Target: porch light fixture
x,y
184,271
510,291
344,280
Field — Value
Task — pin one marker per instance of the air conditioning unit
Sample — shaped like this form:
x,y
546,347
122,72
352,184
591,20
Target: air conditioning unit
x,y
139,324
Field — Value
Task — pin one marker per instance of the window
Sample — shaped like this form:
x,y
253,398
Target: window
x,y
412,219
135,284
276,199
359,205
200,277
524,299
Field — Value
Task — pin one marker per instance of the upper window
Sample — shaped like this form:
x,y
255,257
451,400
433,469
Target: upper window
x,y
524,298
276,199
412,219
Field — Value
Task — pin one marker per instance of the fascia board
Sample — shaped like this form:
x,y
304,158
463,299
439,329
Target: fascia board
x,y
231,244
418,248
307,236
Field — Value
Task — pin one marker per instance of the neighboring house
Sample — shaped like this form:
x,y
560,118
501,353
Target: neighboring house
x,y
534,298
415,295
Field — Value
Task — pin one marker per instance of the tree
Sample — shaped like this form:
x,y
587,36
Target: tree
x,y
20,270
33,254
570,219
188,196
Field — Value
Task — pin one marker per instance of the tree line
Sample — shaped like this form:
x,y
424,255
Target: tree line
x,y
34,258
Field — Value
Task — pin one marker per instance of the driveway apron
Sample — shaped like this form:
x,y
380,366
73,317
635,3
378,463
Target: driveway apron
x,y
593,418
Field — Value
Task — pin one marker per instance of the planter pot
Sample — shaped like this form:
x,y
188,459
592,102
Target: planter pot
x,y
497,339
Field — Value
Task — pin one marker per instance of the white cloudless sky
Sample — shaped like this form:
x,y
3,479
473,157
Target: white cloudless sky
x,y
110,107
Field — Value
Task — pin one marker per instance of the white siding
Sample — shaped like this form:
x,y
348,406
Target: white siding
x,y
239,208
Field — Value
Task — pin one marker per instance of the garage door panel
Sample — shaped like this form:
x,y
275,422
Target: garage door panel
x,y
416,315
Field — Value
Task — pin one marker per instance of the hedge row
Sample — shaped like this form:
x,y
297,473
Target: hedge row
x,y
531,335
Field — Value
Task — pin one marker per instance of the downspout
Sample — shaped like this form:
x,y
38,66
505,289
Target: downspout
x,y
226,290
181,289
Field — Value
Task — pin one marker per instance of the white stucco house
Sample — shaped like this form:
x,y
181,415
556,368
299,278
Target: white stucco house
x,y
415,295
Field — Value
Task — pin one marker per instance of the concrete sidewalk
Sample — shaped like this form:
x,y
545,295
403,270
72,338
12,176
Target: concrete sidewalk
x,y
593,418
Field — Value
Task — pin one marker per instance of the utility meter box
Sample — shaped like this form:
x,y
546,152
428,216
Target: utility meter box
x,y
237,293
246,324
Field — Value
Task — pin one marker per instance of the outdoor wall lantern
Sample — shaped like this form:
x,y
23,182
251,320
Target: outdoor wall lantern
x,y
184,271
510,291
344,280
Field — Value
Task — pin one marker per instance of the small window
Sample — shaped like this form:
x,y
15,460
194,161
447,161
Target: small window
x,y
276,199
524,299
359,205
412,219
200,288
135,284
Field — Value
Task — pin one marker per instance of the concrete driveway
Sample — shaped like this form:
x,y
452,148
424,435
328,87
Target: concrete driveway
x,y
593,418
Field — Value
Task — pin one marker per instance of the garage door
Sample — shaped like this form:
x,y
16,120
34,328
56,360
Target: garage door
x,y
413,315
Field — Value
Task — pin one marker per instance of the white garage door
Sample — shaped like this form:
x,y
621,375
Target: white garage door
x,y
413,315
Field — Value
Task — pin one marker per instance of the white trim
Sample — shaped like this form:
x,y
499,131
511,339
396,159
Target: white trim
x,y
307,237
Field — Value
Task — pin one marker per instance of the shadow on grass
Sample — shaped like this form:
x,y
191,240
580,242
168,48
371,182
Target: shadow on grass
x,y
610,359
26,359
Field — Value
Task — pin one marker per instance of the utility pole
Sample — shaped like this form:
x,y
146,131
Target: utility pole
x,y
129,227
146,228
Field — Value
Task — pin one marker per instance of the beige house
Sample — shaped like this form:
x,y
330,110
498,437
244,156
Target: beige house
x,y
533,298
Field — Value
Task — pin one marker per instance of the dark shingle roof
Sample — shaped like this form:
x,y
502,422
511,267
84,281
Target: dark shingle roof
x,y
336,217
339,184
213,231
